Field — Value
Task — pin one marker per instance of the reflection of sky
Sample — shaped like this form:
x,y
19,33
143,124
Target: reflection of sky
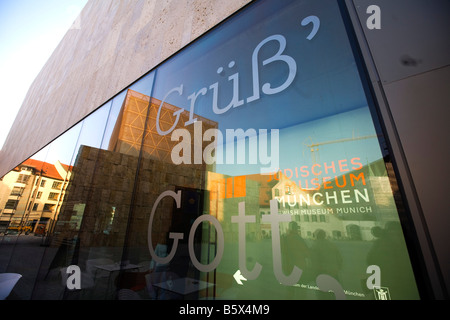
x,y
294,151
61,149
95,130
352,124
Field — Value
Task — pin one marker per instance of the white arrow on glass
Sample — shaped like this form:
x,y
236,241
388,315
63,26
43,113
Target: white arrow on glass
x,y
239,277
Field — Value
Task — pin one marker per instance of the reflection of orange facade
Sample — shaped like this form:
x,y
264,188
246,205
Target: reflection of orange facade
x,y
32,192
225,194
128,131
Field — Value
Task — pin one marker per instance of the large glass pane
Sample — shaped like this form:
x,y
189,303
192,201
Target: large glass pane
x,y
262,168
95,214
64,247
16,189
42,181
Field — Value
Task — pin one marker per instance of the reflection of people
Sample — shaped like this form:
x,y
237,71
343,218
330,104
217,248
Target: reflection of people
x,y
295,252
390,254
377,232
325,256
325,259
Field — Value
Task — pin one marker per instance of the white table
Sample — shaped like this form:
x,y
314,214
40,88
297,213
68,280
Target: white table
x,y
7,283
184,286
114,267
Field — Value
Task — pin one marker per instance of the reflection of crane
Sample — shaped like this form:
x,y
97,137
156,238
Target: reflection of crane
x,y
314,146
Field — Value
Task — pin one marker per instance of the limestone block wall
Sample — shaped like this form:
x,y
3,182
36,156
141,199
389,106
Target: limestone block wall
x,y
114,43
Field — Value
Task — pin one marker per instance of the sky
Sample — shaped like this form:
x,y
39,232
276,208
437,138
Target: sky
x,y
30,30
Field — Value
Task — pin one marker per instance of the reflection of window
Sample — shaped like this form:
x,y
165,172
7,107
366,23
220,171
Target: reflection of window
x,y
11,204
43,183
109,223
35,206
288,189
39,195
56,185
17,191
53,196
48,207
23,178
337,234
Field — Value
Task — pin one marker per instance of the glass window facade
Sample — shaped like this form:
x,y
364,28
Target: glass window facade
x,y
247,166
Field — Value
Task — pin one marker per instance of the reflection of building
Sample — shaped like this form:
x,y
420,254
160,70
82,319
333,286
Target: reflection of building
x,y
128,131
31,193
97,209
346,207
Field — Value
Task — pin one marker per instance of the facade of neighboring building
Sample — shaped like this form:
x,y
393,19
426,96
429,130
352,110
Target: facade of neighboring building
x,y
31,195
235,150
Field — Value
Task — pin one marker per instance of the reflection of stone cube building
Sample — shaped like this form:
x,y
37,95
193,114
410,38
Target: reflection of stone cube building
x,y
128,132
98,210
